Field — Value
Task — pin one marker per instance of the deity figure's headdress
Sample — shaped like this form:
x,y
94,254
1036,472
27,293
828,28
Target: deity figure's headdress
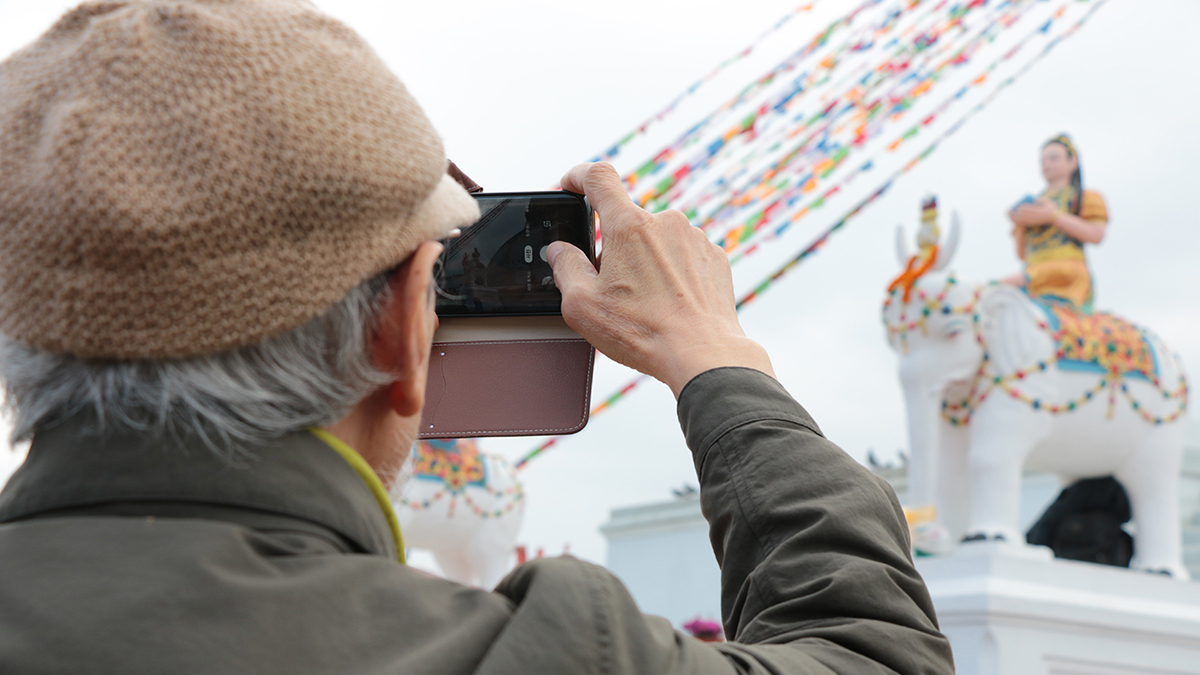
x,y
1076,177
930,256
929,232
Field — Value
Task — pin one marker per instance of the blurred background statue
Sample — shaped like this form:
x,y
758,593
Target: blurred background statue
x,y
464,506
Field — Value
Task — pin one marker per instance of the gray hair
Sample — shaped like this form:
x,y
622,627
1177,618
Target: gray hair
x,y
309,376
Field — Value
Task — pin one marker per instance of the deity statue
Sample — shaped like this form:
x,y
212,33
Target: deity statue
x,y
997,382
1050,231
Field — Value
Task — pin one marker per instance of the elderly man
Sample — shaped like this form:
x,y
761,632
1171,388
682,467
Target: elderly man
x,y
218,220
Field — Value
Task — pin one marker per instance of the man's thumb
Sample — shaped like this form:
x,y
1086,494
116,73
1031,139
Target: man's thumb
x,y
572,269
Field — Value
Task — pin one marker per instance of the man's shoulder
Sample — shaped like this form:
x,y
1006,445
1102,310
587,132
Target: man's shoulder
x,y
552,574
177,589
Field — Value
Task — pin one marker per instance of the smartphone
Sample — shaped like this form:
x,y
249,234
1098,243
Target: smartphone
x,y
498,266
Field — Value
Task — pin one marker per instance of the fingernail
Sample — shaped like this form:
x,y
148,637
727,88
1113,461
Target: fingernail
x,y
553,250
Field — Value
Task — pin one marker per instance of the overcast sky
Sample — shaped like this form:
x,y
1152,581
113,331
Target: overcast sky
x,y
521,90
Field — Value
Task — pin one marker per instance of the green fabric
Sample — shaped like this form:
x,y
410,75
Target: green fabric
x,y
70,469
124,555
369,477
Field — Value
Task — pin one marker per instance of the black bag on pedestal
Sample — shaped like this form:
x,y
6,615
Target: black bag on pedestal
x,y
1084,523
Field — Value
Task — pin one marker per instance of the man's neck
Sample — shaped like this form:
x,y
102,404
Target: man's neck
x,y
382,437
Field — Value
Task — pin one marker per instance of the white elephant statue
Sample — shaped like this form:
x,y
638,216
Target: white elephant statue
x,y
464,506
995,383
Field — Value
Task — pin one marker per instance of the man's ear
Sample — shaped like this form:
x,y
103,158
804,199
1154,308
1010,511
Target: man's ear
x,y
402,341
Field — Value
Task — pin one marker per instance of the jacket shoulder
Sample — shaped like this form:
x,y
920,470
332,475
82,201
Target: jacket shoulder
x,y
168,589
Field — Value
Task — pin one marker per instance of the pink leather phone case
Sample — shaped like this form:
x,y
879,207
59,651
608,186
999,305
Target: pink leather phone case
x,y
521,376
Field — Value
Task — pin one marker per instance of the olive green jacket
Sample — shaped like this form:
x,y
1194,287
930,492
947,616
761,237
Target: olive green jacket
x,y
128,555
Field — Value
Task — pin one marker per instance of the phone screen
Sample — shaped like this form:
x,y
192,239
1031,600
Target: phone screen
x,y
498,265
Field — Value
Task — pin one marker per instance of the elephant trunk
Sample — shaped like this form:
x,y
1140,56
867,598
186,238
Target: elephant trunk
x,y
923,407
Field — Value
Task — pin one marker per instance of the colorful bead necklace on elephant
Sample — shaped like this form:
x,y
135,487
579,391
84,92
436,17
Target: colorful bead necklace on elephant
x,y
960,413
515,492
984,383
458,465
929,306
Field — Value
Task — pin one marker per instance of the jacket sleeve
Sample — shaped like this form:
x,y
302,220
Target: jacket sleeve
x,y
815,569
813,548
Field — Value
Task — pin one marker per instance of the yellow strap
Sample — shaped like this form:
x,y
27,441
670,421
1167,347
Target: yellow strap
x,y
369,477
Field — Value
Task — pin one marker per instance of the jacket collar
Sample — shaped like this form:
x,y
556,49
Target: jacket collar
x,y
298,476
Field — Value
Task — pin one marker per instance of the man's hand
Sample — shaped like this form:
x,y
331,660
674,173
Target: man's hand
x,y
662,301
1041,212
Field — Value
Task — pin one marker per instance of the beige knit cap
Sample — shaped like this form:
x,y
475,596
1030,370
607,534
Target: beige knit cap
x,y
181,177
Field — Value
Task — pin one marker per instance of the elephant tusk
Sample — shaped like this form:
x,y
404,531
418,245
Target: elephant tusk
x,y
901,247
947,251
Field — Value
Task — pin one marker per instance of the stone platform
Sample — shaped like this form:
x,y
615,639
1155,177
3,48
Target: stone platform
x,y
1014,610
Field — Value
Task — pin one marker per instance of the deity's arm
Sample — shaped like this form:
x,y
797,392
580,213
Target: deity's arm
x,y
1019,236
1086,231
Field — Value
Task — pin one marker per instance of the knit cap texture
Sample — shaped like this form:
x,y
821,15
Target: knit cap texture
x,y
185,177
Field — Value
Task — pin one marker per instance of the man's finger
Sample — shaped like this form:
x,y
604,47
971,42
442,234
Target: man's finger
x,y
573,272
602,185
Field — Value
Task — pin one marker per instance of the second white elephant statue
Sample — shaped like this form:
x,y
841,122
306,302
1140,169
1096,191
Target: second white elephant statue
x,y
464,506
995,383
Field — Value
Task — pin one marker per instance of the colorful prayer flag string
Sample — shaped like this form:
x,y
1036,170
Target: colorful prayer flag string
x,y
781,193
737,255
641,129
824,236
819,242
896,64
613,398
815,43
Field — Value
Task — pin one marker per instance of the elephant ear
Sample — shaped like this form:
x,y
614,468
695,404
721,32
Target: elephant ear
x,y
1008,323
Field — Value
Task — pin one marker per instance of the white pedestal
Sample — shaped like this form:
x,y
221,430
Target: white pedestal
x,y
1014,611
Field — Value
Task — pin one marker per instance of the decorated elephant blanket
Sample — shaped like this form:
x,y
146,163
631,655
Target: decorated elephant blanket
x,y
1100,342
455,463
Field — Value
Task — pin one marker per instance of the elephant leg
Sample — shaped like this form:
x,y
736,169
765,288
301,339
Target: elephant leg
x,y
458,566
492,547
1000,442
954,490
1151,479
493,564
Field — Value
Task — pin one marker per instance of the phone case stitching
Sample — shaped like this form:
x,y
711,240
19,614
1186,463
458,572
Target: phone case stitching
x,y
587,397
508,342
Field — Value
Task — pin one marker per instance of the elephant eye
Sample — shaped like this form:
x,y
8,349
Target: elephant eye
x,y
954,330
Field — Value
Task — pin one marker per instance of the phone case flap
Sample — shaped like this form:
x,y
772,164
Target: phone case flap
x,y
507,376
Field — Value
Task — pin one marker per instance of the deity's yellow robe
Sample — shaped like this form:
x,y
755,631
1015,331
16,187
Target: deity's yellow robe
x,y
1055,264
